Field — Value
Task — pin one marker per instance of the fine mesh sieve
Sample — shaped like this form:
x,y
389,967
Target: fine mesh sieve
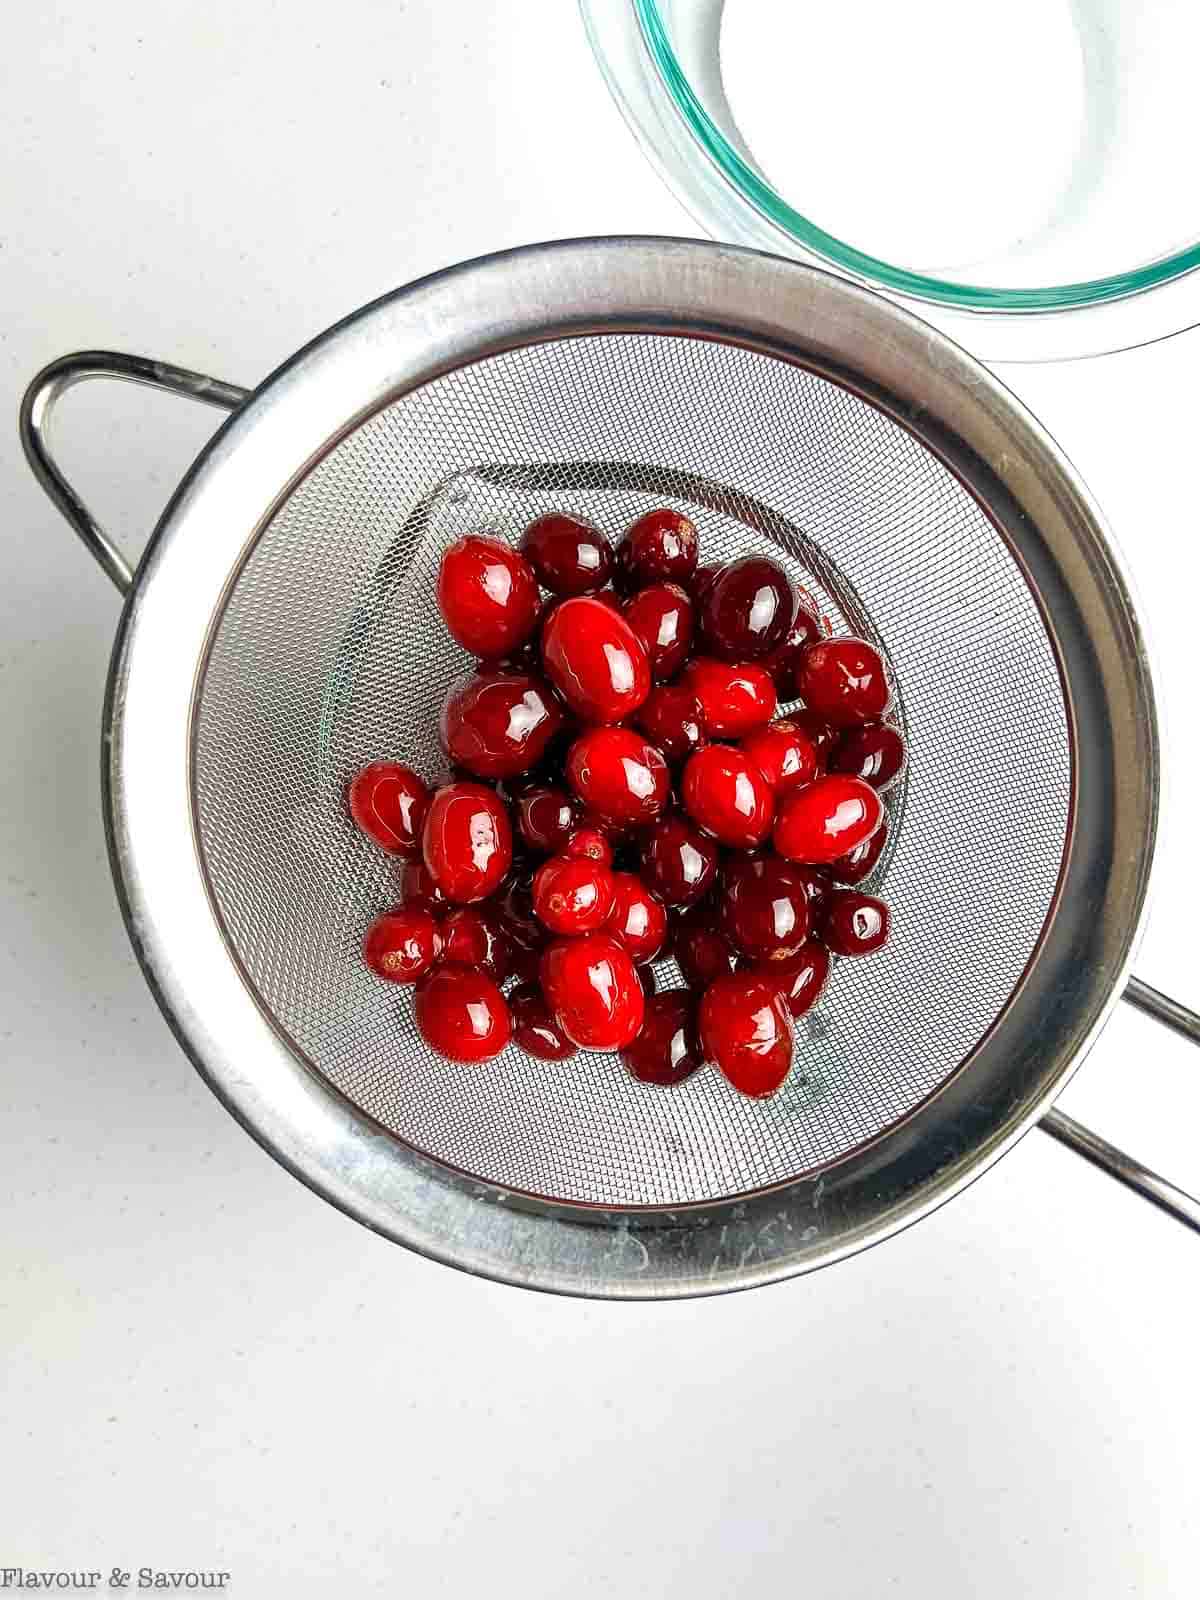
x,y
786,413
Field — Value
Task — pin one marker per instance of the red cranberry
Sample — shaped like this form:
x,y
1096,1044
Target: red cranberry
x,y
569,555
418,891
817,888
748,609
595,660
800,979
589,844
672,719
859,863
663,618
467,841
638,919
461,1014
745,1030
661,546
702,951
783,753
844,681
873,752
402,945
534,1028
825,820
702,581
618,775
498,723
592,988
488,595
573,895
764,907
782,662
728,796
819,733
855,924
474,936
388,801
678,862
734,699
667,1050
546,819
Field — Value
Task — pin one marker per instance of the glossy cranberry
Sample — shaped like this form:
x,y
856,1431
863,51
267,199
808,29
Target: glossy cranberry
x,y
534,1028
702,952
461,1013
859,863
663,618
855,924
873,752
800,979
820,734
672,720
679,863
573,895
569,555
733,699
726,794
546,819
418,891
661,546
702,580
844,681
388,802
818,885
499,723
819,823
782,662
764,907
590,844
619,776
595,660
746,1031
667,1050
475,936
747,610
784,754
402,945
467,841
488,595
591,986
638,918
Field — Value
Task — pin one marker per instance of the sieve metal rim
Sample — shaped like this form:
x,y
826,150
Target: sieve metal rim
x,y
635,285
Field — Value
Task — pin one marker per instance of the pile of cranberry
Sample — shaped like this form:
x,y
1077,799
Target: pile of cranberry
x,y
619,790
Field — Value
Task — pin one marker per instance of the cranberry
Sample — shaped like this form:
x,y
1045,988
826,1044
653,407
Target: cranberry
x,y
873,752
516,910
618,775
569,555
572,894
859,863
855,924
534,1028
402,945
488,595
825,820
418,891
784,754
748,609
702,581
589,844
595,660
475,936
728,796
388,801
662,545
702,951
678,862
467,841
546,819
817,888
844,681
663,618
592,988
667,1050
744,1028
782,662
498,723
819,733
461,1014
672,719
734,699
764,907
638,919
800,979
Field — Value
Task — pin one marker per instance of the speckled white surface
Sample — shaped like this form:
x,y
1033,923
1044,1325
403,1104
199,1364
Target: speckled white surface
x,y
201,1366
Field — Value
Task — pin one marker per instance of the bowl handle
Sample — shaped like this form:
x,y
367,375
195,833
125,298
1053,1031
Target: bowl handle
x,y
40,400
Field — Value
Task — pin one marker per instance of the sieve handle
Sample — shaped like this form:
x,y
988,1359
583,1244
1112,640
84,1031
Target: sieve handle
x,y
38,405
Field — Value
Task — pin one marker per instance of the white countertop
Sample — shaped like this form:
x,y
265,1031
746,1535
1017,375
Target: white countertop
x,y
204,1367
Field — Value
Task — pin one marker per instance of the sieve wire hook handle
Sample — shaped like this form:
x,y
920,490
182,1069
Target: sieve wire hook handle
x,y
37,408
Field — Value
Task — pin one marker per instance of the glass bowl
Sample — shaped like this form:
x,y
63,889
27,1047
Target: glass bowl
x,y
1017,180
